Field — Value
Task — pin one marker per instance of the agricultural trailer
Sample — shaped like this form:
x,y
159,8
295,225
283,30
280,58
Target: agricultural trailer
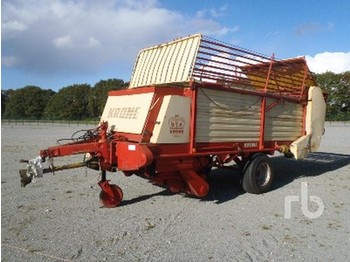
x,y
193,104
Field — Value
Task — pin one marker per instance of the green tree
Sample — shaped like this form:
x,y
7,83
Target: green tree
x,y
5,94
99,93
27,102
337,87
69,103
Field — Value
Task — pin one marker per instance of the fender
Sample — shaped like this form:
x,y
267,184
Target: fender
x,y
132,156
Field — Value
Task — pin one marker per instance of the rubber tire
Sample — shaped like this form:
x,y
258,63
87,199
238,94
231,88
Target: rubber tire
x,y
258,163
111,202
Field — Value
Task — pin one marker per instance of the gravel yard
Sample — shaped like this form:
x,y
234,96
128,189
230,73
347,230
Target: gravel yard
x,y
59,217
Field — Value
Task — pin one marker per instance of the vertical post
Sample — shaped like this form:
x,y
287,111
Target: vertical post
x,y
307,98
263,106
103,175
304,80
262,122
303,131
193,117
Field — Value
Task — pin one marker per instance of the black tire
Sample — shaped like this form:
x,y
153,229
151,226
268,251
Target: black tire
x,y
258,174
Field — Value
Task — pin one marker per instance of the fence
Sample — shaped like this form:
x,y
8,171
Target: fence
x,y
337,123
48,122
95,122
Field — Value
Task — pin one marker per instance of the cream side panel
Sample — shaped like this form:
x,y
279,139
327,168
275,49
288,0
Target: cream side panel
x,y
284,122
314,125
226,116
173,121
127,113
315,117
300,147
166,63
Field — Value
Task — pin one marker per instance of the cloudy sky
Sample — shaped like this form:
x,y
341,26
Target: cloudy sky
x,y
57,43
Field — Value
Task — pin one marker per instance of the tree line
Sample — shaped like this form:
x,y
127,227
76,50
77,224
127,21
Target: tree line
x,y
74,102
82,101
337,87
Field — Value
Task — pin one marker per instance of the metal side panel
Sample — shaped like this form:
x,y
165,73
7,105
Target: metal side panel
x,y
300,147
314,125
284,122
173,121
166,63
315,117
127,113
227,116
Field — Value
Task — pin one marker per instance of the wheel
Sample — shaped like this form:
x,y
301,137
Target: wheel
x,y
109,201
258,174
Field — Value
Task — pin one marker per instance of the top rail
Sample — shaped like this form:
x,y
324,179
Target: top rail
x,y
207,60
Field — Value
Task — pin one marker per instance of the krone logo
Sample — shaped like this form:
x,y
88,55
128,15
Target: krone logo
x,y
176,124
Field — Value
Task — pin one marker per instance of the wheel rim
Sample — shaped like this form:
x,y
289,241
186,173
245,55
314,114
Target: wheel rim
x,y
263,174
109,201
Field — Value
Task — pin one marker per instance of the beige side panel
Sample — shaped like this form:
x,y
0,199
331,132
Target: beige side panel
x,y
226,116
315,117
166,63
127,113
284,122
173,122
300,147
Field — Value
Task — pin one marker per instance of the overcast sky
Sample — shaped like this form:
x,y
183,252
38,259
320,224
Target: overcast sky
x,y
56,43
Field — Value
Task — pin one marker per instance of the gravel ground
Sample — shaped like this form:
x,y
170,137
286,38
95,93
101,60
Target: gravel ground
x,y
59,217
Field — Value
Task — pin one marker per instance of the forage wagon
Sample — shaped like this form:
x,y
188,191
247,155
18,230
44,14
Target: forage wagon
x,y
193,104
